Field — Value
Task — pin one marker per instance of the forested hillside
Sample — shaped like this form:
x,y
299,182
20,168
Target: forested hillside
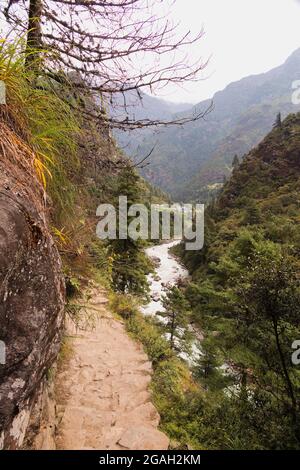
x,y
191,157
245,296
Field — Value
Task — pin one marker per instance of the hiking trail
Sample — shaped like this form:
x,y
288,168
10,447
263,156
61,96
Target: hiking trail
x,y
102,393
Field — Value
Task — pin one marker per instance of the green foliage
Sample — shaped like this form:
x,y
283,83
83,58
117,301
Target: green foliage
x,y
123,305
207,370
176,312
245,297
278,122
252,215
101,262
156,347
130,265
50,127
176,397
72,286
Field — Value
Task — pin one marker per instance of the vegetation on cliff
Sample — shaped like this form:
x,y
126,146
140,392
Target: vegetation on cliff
x,y
57,166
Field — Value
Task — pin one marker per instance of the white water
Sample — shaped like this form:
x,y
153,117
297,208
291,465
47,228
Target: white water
x,y
167,273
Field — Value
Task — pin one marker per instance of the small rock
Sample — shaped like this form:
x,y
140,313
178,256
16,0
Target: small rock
x,y
142,437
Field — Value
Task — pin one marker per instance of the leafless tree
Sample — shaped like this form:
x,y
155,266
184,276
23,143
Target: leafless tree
x,y
114,46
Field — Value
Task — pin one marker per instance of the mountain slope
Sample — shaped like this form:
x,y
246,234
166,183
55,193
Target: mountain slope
x,y
142,106
245,296
190,157
261,195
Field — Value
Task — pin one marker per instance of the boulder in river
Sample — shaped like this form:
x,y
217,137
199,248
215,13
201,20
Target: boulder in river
x,y
156,261
155,296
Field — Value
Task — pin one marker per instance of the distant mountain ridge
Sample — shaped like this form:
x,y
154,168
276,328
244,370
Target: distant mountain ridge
x,y
196,156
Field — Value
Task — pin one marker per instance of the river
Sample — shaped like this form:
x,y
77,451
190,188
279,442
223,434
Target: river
x,y
168,272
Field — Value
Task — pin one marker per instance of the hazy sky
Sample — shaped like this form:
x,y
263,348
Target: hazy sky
x,y
244,37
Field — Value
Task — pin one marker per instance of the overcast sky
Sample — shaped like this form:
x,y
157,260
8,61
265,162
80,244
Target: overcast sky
x,y
244,37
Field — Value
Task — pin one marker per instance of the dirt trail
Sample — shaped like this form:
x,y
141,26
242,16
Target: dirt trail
x,y
102,394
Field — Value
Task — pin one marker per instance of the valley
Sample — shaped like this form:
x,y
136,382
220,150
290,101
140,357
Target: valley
x,y
122,328
188,160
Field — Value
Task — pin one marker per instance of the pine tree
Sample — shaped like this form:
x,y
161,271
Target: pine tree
x,y
176,312
130,265
269,310
235,161
252,216
207,362
278,122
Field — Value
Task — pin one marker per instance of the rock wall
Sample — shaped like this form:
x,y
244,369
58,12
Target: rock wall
x,y
31,288
44,419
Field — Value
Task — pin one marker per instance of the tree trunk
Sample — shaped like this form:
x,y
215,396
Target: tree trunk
x,y
34,32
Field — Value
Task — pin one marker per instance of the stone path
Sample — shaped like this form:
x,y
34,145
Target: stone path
x,y
103,399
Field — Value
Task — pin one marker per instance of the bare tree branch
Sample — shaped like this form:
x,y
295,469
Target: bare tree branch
x,y
115,46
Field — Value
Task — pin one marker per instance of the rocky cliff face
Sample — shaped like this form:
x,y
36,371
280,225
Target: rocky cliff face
x,y
31,288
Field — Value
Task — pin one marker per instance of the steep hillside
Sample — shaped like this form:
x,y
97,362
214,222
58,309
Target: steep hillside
x,y
263,192
188,158
245,296
137,143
